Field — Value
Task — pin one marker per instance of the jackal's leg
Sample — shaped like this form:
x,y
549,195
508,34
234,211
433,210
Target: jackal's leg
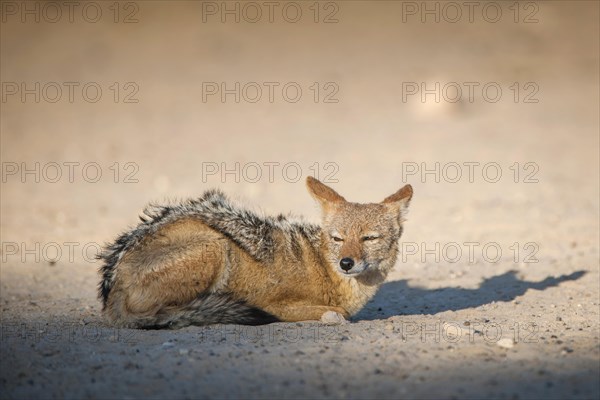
x,y
296,313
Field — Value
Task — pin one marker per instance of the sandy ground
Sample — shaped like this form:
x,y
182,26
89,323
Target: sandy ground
x,y
496,293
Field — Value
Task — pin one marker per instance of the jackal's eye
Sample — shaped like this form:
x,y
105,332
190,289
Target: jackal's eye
x,y
337,239
370,237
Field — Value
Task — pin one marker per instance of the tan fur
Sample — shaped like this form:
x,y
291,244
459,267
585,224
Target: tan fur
x,y
186,258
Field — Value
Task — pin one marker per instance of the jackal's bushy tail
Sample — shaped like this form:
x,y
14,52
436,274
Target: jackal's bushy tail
x,y
206,309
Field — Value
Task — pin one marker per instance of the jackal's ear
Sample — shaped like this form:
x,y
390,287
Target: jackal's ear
x,y
323,193
400,199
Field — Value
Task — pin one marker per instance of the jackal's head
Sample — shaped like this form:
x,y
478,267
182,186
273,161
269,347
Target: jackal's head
x,y
360,238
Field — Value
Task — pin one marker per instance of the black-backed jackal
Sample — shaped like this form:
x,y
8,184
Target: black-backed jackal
x,y
206,261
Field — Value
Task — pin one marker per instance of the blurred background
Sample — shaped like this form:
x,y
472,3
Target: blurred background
x,y
109,105
378,96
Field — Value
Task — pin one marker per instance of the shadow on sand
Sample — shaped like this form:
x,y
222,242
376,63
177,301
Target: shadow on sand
x,y
397,298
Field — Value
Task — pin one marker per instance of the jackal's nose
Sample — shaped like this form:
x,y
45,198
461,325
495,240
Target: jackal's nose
x,y
346,263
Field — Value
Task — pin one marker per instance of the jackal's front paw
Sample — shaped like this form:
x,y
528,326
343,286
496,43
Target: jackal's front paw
x,y
332,318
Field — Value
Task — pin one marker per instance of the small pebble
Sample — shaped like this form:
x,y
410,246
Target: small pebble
x,y
506,343
566,350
